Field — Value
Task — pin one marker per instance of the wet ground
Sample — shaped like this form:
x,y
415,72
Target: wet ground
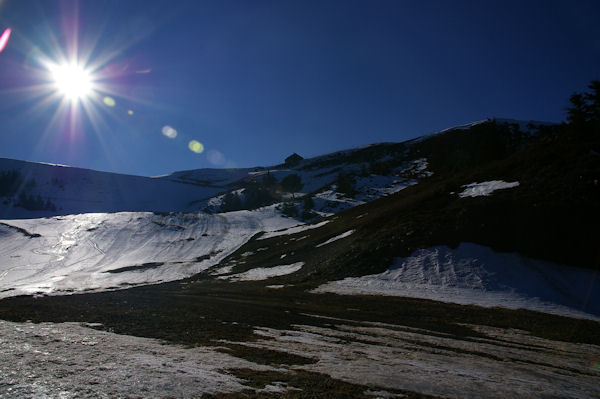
x,y
235,339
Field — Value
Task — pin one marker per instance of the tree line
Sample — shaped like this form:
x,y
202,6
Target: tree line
x,y
13,185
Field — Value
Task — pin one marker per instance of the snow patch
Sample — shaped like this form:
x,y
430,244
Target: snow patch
x,y
263,273
338,237
278,387
474,274
222,270
292,230
485,188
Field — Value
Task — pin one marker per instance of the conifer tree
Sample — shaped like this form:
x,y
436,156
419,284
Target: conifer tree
x,y
585,107
292,183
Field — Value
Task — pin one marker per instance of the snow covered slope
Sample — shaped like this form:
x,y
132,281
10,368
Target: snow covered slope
x,y
105,238
74,190
101,251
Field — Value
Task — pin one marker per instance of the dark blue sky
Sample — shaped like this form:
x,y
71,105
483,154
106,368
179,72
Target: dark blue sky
x,y
254,81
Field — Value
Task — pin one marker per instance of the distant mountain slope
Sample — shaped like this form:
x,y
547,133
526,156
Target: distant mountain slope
x,y
66,190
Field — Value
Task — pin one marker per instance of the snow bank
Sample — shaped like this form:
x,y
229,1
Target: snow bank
x,y
263,273
485,188
474,274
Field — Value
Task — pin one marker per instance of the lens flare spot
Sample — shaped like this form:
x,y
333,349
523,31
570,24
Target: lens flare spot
x,y
109,101
215,157
129,112
196,146
168,131
230,165
4,39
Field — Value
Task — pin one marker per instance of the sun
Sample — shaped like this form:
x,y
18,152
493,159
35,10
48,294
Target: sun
x,y
73,81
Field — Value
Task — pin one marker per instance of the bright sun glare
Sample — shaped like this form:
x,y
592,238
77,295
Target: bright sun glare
x,y
72,81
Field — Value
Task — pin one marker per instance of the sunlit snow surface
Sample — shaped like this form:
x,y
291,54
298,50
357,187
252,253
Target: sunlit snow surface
x,y
486,188
474,274
101,251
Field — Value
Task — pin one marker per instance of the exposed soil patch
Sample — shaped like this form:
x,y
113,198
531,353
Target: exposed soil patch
x,y
21,230
143,266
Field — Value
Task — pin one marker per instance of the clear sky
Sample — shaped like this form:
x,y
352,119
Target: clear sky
x,y
254,81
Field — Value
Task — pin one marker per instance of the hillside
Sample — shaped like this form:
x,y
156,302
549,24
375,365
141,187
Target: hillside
x,y
548,212
528,191
473,246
